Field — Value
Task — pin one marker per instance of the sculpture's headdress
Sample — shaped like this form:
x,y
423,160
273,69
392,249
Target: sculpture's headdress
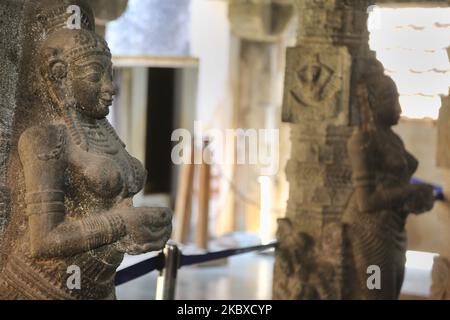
x,y
87,43
373,74
54,15
372,82
54,20
72,45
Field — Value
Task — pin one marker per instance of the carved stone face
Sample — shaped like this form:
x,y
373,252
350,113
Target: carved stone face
x,y
77,65
91,85
385,102
388,110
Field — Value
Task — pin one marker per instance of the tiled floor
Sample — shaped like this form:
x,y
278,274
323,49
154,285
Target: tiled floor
x,y
246,277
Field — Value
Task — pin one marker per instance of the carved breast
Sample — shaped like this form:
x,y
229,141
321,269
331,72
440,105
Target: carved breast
x,y
395,161
103,176
97,154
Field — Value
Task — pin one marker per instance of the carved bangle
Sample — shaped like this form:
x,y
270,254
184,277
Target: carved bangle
x,y
45,196
48,207
93,229
102,230
51,201
363,181
117,226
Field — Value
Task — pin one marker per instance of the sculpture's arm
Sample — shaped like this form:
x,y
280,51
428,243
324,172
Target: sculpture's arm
x,y
51,235
371,197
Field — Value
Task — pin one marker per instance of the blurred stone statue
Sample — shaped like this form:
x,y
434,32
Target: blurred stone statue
x,y
297,260
69,182
383,196
440,276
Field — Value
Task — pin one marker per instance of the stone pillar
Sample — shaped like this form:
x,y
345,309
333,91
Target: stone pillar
x,y
318,102
260,29
440,289
105,11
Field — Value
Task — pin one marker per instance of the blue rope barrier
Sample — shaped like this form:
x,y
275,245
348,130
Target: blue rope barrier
x,y
438,190
140,269
201,258
157,263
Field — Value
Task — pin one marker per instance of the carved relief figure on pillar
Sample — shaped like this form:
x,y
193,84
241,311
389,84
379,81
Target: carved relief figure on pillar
x,y
307,278
70,179
383,196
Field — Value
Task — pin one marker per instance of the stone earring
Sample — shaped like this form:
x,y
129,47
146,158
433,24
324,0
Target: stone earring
x,y
58,70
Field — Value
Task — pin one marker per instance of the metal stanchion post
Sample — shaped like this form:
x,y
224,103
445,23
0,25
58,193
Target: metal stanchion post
x,y
167,280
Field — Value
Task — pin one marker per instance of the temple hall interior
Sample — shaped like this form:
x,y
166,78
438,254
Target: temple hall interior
x,y
301,148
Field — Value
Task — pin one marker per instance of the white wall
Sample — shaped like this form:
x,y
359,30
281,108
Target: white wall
x,y
210,42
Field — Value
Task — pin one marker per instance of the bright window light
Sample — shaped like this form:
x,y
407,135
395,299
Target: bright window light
x,y
265,201
420,260
412,45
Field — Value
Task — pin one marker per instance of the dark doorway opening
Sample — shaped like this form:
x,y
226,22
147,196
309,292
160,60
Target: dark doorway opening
x,y
160,125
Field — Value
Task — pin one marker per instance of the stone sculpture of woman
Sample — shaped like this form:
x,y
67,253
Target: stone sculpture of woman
x,y
383,195
71,180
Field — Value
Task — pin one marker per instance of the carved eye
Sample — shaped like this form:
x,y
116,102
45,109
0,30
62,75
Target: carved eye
x,y
58,70
93,72
94,77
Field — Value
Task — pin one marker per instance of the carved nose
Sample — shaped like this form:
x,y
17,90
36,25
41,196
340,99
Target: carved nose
x,y
398,109
108,91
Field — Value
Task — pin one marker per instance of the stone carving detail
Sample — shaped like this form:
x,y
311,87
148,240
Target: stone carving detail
x,y
342,22
443,126
440,288
322,103
296,257
70,178
320,185
383,197
316,83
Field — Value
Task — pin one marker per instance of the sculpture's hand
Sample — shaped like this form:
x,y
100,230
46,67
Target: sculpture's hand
x,y
148,229
421,199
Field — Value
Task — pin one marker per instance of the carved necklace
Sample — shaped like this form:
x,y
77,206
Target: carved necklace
x,y
99,136
93,135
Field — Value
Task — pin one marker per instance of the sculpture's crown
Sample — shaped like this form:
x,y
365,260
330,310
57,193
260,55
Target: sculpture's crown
x,y
86,43
54,18
54,15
